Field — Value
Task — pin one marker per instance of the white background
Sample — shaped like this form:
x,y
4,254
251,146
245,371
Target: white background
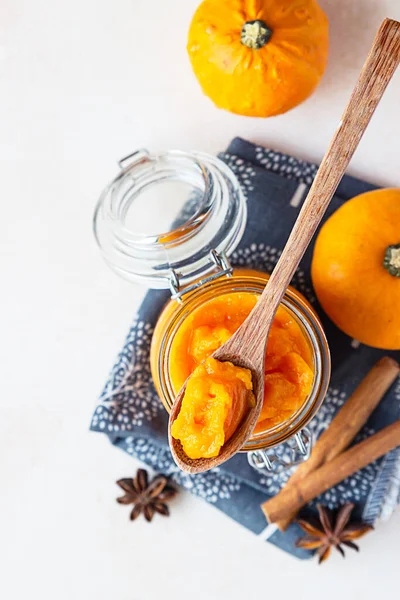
x,y
82,83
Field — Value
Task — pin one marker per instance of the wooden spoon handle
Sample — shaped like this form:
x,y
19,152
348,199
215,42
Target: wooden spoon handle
x,y
378,70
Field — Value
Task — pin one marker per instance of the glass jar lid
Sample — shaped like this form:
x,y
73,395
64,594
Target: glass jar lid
x,y
208,219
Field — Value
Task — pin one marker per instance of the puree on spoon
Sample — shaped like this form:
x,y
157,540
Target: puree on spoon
x,y
205,422
217,397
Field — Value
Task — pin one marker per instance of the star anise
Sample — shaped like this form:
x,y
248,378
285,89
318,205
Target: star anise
x,y
331,532
147,498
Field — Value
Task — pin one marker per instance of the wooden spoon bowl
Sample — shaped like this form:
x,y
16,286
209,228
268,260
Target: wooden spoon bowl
x,y
238,439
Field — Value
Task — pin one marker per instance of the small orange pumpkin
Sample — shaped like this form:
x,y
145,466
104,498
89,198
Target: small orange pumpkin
x,y
258,57
356,268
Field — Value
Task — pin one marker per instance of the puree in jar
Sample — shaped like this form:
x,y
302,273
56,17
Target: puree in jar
x,y
217,397
288,365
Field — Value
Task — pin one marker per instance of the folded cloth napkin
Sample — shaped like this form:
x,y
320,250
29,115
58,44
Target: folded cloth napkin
x,y
132,416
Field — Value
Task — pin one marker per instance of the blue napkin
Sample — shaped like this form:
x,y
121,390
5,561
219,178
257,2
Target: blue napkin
x,y
132,416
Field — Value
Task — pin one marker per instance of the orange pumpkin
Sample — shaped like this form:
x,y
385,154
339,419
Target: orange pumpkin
x,y
258,57
356,268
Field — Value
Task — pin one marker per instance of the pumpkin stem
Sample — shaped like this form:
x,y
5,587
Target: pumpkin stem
x,y
255,34
391,261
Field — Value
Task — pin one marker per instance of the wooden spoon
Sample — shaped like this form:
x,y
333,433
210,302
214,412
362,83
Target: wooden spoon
x,y
246,348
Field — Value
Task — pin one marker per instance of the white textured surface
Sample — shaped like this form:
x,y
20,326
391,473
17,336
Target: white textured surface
x,y
82,84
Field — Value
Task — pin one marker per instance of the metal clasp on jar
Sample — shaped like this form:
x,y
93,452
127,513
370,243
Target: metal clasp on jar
x,y
223,266
288,454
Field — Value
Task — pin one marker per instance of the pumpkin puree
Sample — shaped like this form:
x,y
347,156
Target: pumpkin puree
x,y
216,397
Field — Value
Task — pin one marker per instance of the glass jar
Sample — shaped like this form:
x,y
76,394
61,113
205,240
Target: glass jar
x,y
191,260
300,310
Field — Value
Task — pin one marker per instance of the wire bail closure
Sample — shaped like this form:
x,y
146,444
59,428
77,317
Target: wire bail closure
x,y
224,269
298,450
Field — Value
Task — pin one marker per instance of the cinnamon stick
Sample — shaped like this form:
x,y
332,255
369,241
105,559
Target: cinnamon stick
x,y
293,497
347,422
